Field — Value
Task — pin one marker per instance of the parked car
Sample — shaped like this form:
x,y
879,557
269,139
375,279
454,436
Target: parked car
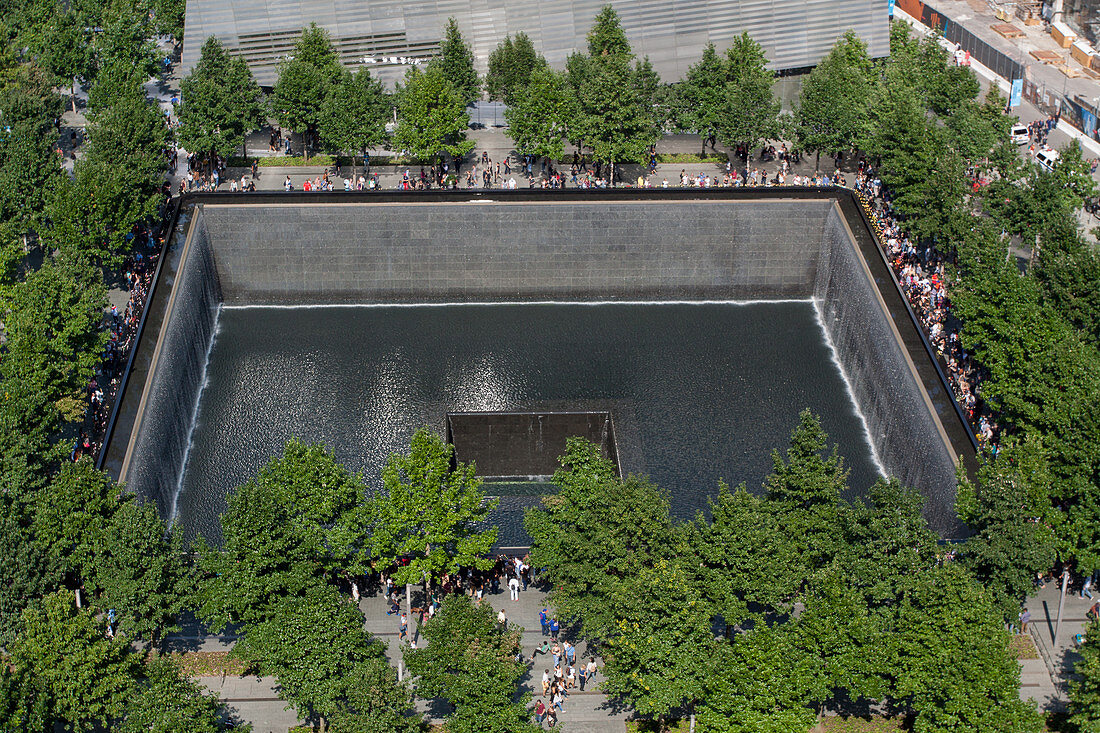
x,y
1046,158
1019,135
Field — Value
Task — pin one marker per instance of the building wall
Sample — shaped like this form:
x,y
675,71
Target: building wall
x,y
795,33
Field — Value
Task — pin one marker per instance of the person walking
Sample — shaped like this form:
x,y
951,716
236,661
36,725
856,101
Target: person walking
x,y
570,653
545,682
540,711
589,671
502,619
1086,588
403,627
544,623
513,588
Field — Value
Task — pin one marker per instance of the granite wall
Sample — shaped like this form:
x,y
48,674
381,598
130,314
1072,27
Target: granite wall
x,y
900,421
447,252
455,251
156,457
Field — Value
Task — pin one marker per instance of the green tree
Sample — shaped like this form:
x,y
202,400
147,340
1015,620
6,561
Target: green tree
x,y
86,676
833,106
27,97
24,704
470,661
353,117
750,109
617,120
806,487
1009,509
596,531
744,561
304,81
429,513
702,93
886,543
168,16
166,700
951,659
286,531
129,131
456,61
511,67
51,324
314,47
1084,691
658,654
71,517
759,684
26,573
540,116
607,37
125,40
316,647
29,171
137,571
220,102
431,116
843,641
65,50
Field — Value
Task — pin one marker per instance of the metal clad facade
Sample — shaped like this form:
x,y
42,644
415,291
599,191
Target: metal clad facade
x,y
794,33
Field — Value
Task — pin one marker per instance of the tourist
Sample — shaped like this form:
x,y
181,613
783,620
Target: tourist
x,y
589,671
544,622
502,619
513,588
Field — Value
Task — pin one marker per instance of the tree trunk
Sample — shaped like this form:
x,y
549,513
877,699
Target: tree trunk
x,y
78,603
817,162
691,724
73,97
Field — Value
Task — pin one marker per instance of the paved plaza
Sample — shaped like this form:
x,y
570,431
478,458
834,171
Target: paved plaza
x,y
255,700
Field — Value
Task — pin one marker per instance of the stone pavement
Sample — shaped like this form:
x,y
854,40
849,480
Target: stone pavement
x,y
1058,655
254,700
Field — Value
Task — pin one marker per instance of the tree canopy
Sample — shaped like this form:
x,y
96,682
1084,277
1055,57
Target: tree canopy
x,y
220,102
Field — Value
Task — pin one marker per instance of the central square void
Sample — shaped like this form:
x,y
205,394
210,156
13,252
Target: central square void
x,y
699,392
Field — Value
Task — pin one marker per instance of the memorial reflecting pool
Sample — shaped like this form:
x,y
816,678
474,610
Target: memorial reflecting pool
x,y
698,392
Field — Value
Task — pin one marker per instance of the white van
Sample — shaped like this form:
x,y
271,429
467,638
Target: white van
x,y
1019,135
1046,158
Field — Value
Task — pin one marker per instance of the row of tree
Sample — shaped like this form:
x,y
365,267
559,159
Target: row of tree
x,y
87,569
768,609
605,101
1030,322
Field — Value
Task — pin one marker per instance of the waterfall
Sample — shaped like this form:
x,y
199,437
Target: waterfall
x,y
160,450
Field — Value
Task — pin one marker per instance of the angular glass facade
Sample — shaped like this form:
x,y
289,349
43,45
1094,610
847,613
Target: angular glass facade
x,y
387,35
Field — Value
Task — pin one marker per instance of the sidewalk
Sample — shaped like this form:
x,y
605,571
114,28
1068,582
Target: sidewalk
x,y
255,700
1058,656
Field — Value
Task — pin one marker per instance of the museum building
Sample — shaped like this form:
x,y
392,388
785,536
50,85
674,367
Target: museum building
x,y
389,35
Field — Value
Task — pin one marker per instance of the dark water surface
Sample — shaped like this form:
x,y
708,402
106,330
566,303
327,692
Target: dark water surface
x,y
698,392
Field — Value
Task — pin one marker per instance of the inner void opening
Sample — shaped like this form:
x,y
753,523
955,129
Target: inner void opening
x,y
700,392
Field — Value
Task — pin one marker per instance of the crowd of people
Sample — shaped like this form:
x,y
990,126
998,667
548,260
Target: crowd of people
x,y
921,270
563,671
147,244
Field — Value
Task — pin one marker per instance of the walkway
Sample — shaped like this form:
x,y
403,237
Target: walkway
x,y
254,700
